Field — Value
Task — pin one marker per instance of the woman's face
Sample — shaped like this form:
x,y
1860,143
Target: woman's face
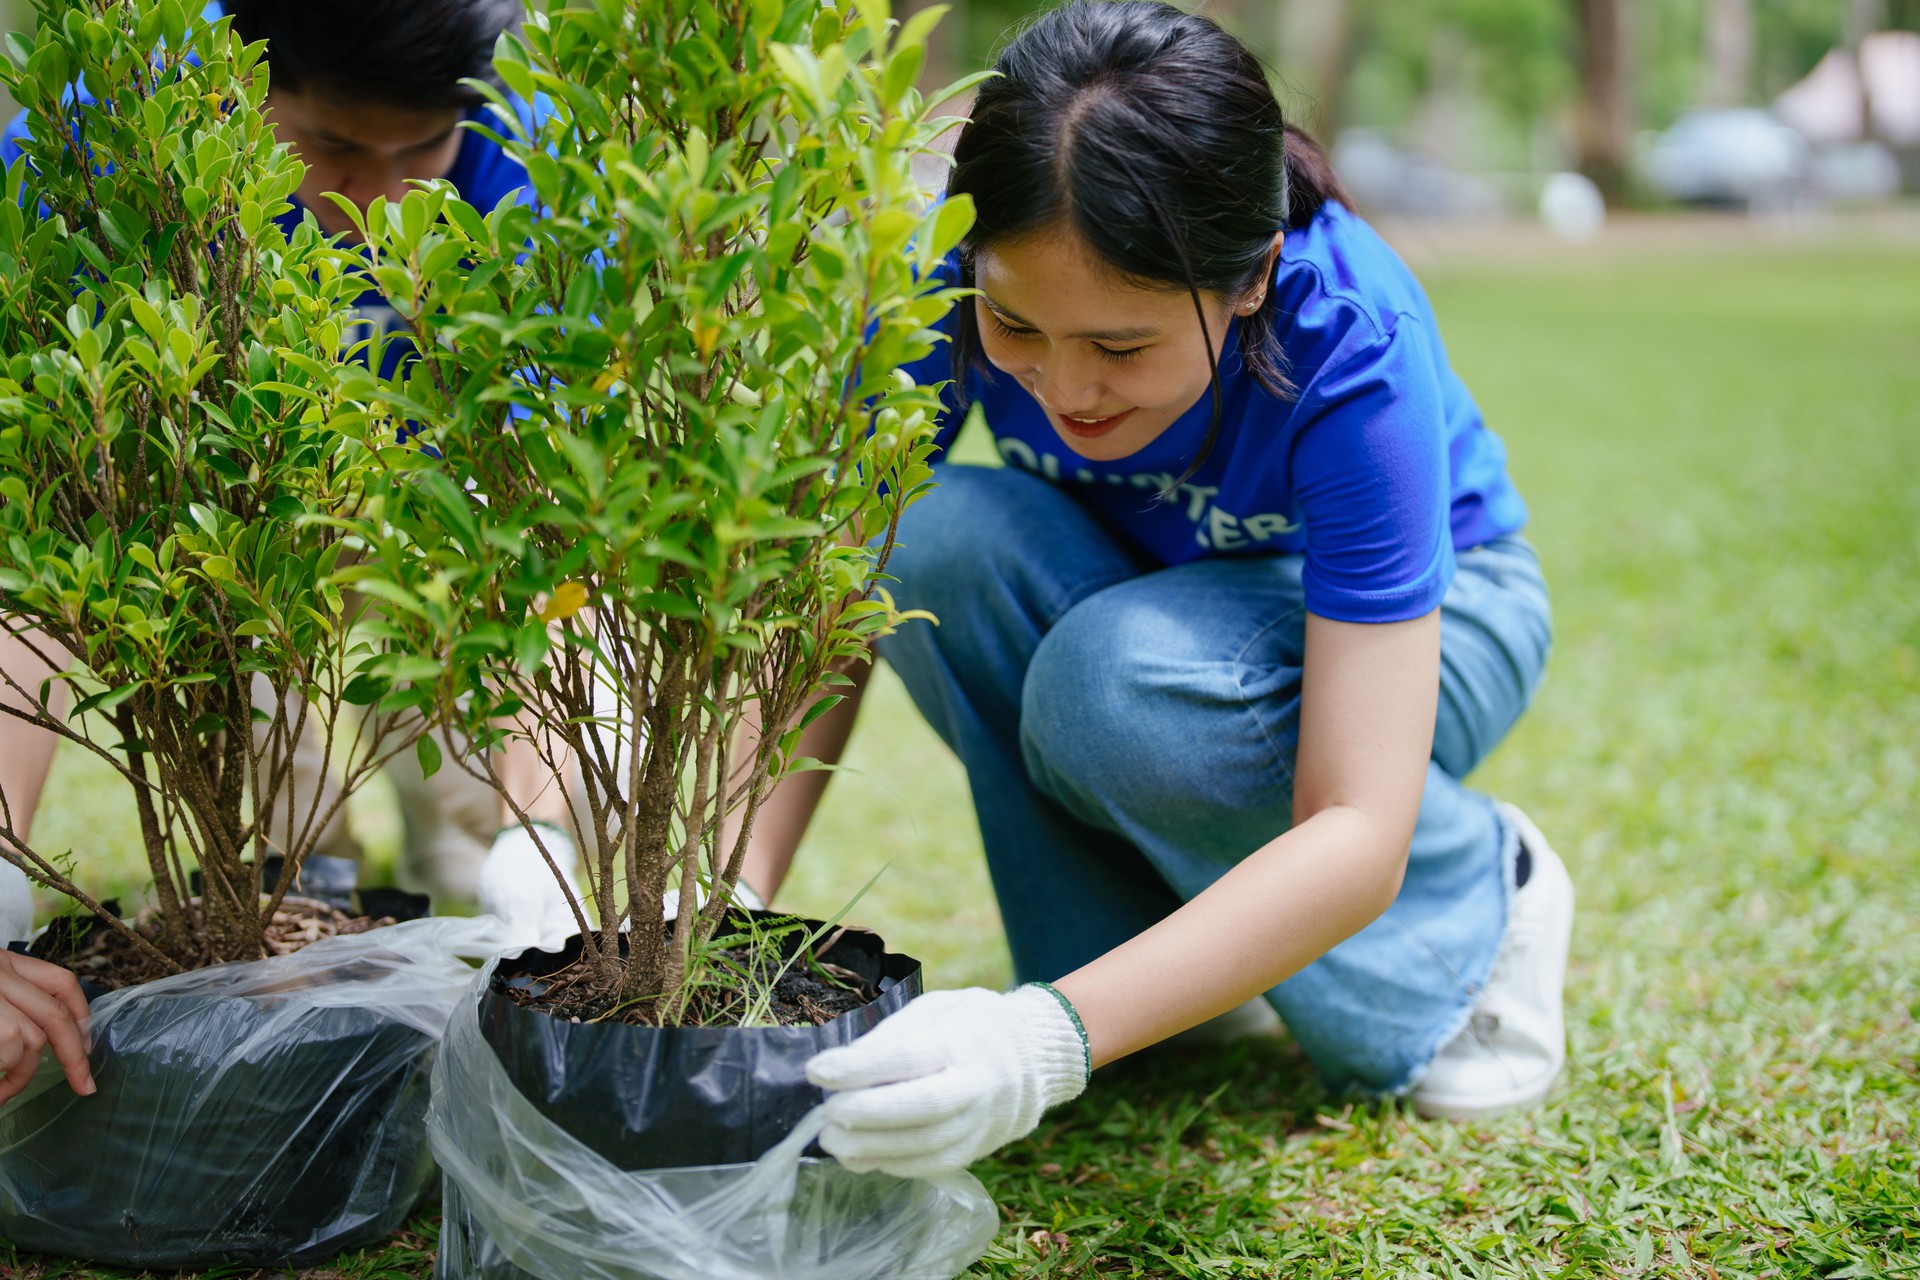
x,y
360,149
1112,364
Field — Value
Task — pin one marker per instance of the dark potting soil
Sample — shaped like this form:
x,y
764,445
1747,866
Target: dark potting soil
x,y
109,960
809,993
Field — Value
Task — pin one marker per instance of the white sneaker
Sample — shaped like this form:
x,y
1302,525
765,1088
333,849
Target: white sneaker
x,y
1515,1042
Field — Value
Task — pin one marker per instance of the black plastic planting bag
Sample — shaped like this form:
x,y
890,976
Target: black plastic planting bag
x,y
606,1151
657,1097
265,1113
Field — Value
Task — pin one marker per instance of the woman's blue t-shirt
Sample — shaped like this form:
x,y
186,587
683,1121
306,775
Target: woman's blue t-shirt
x,y
1377,469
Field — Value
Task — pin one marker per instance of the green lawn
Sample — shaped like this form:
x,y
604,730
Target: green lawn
x,y
1722,453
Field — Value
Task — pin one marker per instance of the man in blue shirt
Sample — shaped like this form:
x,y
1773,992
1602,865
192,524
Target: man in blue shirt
x,y
369,95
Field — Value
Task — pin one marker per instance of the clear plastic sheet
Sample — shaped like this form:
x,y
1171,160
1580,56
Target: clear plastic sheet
x,y
266,1113
523,1197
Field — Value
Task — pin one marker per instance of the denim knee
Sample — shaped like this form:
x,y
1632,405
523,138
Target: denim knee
x,y
1130,723
1074,722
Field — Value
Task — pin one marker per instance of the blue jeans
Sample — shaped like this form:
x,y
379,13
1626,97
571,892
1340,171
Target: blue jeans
x,y
1129,733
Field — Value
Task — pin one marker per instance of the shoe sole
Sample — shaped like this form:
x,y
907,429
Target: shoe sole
x,y
1482,1106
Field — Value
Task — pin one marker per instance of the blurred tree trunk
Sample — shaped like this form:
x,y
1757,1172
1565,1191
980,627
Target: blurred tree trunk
x,y
1317,40
1864,17
1730,37
1603,119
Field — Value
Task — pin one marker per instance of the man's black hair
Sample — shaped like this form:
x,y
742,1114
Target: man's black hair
x,y
399,53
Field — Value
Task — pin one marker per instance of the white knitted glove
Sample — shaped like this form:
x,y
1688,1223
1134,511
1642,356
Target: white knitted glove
x,y
517,885
743,896
16,904
949,1078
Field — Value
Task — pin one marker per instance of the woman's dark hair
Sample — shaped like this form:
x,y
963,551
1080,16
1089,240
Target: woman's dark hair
x,y
400,53
1155,135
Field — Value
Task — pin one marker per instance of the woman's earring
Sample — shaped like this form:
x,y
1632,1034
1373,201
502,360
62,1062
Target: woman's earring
x,y
1249,308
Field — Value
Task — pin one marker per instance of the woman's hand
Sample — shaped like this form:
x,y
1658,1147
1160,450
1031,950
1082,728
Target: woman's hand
x,y
949,1078
40,1006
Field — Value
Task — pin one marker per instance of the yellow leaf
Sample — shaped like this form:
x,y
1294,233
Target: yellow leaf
x,y
705,336
567,599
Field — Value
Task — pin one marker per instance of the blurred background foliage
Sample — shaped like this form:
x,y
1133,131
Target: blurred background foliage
x,y
1502,86
1503,76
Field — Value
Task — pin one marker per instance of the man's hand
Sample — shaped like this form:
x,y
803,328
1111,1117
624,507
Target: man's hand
x,y
40,1005
949,1078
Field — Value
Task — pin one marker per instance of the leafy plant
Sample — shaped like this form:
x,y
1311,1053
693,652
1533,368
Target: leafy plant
x,y
676,446
184,476
744,968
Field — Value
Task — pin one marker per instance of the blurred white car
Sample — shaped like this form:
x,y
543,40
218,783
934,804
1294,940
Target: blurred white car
x,y
1740,156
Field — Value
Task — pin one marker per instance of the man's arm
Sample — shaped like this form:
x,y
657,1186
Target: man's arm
x,y
26,751
783,817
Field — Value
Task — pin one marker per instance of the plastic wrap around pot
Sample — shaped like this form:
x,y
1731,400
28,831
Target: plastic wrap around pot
x,y
521,1195
270,1112
658,1097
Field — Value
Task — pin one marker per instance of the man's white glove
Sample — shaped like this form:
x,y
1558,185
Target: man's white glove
x,y
16,904
743,896
949,1078
517,885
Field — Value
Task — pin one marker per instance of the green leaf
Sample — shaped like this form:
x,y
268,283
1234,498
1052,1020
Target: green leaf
x,y
428,752
530,648
952,219
364,690
106,700
916,29
820,707
903,68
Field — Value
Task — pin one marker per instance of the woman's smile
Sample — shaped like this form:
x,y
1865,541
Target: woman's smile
x,y
1091,428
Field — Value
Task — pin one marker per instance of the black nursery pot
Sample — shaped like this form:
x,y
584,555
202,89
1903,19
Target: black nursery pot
x,y
671,1097
221,1134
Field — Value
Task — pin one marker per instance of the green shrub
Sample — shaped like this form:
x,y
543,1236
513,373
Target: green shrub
x,y
676,445
183,475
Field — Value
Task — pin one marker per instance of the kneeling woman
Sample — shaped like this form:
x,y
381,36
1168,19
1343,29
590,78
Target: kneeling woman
x,y
1219,643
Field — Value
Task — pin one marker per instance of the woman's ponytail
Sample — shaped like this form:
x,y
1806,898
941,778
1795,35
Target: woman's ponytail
x,y
1311,181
